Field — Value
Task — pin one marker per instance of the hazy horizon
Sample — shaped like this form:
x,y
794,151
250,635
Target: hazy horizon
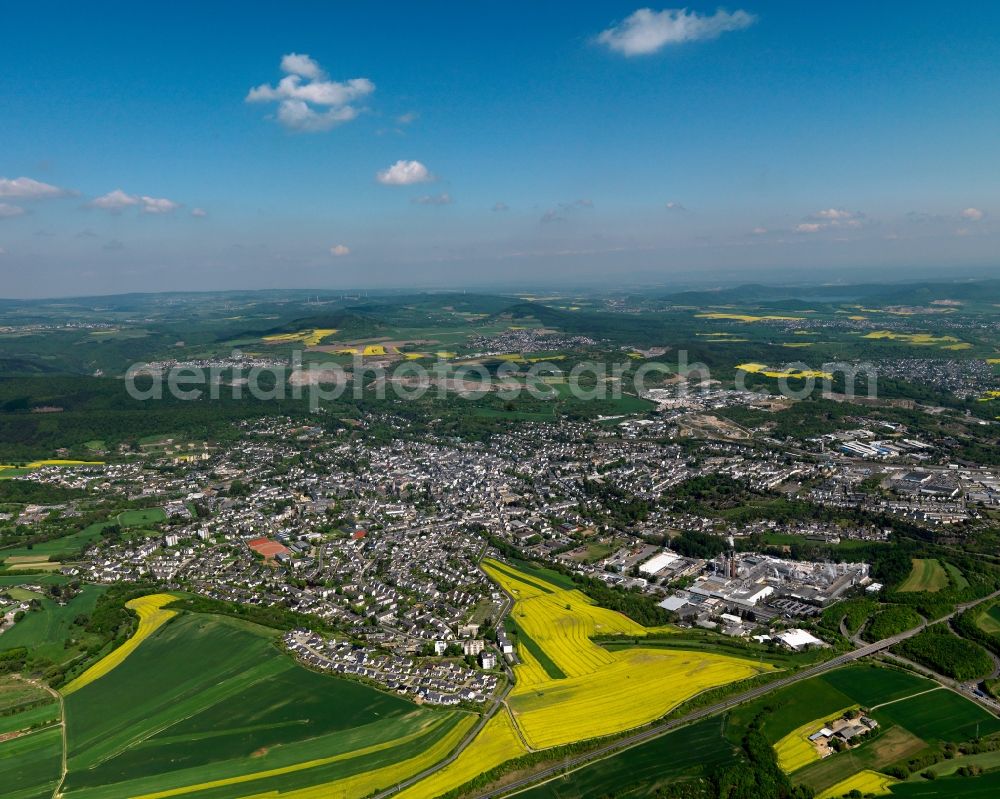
x,y
404,147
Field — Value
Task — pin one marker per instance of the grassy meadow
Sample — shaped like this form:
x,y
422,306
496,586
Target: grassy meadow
x,y
205,703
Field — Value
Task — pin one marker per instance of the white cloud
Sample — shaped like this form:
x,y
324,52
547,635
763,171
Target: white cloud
x,y
407,118
297,115
340,250
7,211
114,201
29,189
501,206
834,214
307,100
199,212
295,64
158,205
404,173
433,199
675,206
647,31
972,214
117,201
829,218
759,231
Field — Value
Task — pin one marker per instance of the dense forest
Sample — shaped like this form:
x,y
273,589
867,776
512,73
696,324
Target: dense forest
x,y
944,652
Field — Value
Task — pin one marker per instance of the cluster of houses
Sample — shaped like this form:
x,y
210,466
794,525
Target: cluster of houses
x,y
440,682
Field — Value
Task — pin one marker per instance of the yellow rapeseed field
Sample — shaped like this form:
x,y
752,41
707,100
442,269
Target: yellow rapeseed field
x,y
58,462
721,338
763,369
497,743
529,671
918,339
867,782
603,692
795,750
637,687
50,462
309,338
741,317
374,350
152,615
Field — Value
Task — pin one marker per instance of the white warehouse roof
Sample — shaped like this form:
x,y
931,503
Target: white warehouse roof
x,y
658,562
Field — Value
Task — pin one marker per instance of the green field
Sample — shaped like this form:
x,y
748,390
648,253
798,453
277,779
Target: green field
x,y
907,728
29,766
44,632
641,771
913,713
927,575
987,761
986,786
797,704
35,716
72,544
546,575
140,518
213,698
29,763
50,578
14,471
17,693
989,620
956,576
21,594
941,716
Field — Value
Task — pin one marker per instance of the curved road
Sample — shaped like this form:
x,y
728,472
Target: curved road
x,y
718,707
498,704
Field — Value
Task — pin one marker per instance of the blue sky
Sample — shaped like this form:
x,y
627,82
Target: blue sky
x,y
600,144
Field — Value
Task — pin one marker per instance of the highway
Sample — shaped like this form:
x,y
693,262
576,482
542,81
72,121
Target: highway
x,y
570,764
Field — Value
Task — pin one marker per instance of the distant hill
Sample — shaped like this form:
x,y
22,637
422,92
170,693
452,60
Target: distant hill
x,y
885,294
347,322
